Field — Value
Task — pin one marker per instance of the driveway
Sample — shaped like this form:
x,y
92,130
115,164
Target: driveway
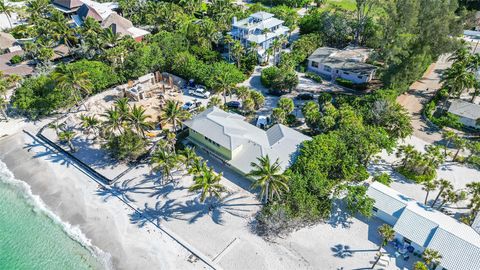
x,y
419,94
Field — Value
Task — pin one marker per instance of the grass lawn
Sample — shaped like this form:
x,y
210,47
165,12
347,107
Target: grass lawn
x,y
346,4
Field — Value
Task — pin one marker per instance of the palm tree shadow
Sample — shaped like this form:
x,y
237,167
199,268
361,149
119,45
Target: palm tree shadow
x,y
156,214
123,189
165,190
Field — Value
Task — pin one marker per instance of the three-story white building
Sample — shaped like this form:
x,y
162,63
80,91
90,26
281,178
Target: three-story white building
x,y
259,29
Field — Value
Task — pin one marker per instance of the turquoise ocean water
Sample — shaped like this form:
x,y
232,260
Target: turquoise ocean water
x,y
31,237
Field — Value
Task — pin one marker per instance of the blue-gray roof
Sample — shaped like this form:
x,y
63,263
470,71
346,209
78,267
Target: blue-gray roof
x,y
387,200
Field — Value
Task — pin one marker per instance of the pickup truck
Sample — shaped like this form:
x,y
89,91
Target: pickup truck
x,y
198,91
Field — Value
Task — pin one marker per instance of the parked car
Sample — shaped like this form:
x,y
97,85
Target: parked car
x,y
263,121
233,104
199,91
189,105
304,96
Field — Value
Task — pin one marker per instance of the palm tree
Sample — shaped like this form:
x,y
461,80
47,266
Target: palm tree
x,y
89,123
443,184
242,93
114,121
173,113
448,136
407,151
77,83
457,79
109,38
428,186
123,108
65,34
165,162
223,84
450,196
431,257
214,101
237,51
189,156
66,137
420,266
387,234
137,119
197,167
269,178
208,183
7,10
3,107
228,39
460,144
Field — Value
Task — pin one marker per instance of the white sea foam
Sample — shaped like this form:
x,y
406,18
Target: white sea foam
x,y
74,232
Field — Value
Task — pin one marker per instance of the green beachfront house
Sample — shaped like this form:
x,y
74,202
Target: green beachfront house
x,y
230,138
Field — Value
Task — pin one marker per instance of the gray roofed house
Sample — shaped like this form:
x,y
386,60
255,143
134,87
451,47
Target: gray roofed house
x,y
424,227
122,26
348,63
467,112
239,143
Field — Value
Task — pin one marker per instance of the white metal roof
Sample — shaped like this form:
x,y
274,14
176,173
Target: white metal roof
x,y
248,141
458,243
387,199
465,109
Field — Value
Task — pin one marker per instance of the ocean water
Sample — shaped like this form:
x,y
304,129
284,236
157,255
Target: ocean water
x,y
32,237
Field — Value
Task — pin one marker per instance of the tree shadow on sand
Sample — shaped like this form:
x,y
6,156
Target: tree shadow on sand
x,y
122,190
191,210
339,216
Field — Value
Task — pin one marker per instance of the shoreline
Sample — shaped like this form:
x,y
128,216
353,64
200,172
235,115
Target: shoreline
x,y
75,198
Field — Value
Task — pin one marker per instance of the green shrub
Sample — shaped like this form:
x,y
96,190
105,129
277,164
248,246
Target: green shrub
x,y
352,85
291,119
383,178
16,59
126,146
313,76
417,178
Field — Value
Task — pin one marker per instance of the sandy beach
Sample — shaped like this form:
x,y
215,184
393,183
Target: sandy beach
x,y
73,196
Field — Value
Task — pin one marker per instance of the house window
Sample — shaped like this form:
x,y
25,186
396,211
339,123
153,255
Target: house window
x,y
327,69
406,240
212,142
314,64
375,209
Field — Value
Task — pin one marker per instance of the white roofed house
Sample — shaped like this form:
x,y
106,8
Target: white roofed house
x,y
467,112
348,64
421,227
260,28
238,143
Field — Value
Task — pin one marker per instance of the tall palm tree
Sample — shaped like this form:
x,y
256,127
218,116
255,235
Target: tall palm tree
x,y
223,84
67,136
431,257
89,123
269,178
448,136
407,151
458,79
460,144
166,162
173,113
197,167
114,122
242,93
7,10
77,83
138,120
228,39
109,38
387,234
444,185
237,51
208,183
3,108
428,186
123,108
214,101
189,157
63,33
